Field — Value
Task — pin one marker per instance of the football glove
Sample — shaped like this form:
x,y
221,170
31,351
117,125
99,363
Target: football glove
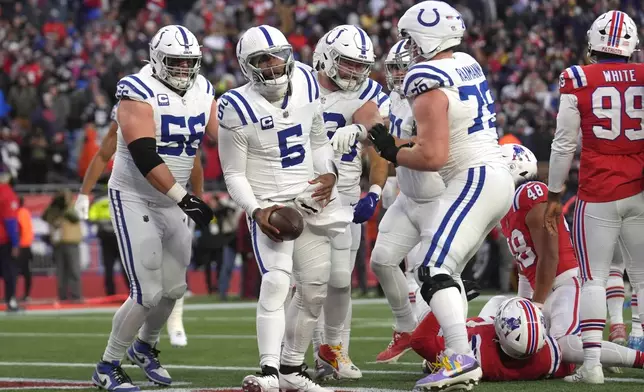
x,y
365,207
197,210
344,138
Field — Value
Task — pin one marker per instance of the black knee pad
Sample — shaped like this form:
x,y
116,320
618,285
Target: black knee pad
x,y
433,284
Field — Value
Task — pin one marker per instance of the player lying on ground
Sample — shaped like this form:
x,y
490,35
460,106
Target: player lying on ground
x,y
547,265
176,331
511,346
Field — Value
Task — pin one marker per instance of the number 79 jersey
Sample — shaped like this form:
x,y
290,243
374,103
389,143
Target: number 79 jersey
x,y
608,101
473,139
517,233
180,124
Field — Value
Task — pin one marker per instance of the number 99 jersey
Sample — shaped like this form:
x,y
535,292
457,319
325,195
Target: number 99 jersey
x,y
517,233
180,124
606,100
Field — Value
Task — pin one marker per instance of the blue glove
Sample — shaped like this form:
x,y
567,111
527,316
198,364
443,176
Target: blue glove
x,y
365,207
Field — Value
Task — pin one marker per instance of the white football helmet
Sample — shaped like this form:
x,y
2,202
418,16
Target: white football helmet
x,y
318,53
396,64
175,55
613,32
431,26
266,44
521,161
348,56
520,328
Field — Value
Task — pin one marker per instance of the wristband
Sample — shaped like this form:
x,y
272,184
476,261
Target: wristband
x,y
375,188
177,192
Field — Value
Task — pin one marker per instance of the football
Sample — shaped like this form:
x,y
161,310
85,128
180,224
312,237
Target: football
x,y
288,221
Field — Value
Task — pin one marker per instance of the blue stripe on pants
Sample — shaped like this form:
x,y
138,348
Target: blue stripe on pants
x,y
126,244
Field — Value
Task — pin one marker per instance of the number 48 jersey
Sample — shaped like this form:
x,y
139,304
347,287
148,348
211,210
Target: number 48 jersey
x,y
517,233
180,124
605,100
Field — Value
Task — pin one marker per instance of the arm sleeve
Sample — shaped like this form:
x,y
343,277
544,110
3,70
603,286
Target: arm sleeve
x,y
321,150
11,226
233,152
564,143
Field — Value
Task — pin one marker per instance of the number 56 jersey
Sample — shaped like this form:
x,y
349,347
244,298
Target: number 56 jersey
x,y
605,100
180,123
517,233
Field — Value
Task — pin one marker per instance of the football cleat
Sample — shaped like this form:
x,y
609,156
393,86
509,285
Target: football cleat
x,y
146,357
266,381
343,367
594,375
617,334
452,372
110,376
299,381
399,345
178,339
323,371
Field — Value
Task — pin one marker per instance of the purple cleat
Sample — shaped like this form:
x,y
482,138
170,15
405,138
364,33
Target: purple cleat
x,y
452,372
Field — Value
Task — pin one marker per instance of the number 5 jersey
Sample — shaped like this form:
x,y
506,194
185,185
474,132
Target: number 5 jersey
x,y
179,122
517,233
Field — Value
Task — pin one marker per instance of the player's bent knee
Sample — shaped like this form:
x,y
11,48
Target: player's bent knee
x,y
382,257
177,292
433,284
151,300
273,290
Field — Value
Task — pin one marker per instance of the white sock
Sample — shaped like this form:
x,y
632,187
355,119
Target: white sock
x,y
611,354
394,285
175,321
155,320
615,296
336,307
592,320
346,329
636,326
127,321
447,306
318,332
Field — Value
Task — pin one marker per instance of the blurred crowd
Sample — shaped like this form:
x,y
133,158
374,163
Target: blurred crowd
x,y
60,61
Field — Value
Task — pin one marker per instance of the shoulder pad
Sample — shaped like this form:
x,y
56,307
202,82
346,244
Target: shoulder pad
x,y
312,86
133,87
384,104
571,79
233,110
529,194
113,113
424,77
369,90
205,85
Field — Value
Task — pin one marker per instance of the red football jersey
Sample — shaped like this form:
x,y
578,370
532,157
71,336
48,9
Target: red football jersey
x,y
495,364
8,210
610,100
518,236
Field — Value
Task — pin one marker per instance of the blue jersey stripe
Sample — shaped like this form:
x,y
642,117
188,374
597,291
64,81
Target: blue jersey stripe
x,y
227,98
148,89
308,82
131,86
367,90
246,105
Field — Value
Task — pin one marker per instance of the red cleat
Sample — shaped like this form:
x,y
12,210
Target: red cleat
x,y
400,344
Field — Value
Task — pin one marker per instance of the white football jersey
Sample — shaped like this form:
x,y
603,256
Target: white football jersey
x,y
180,123
278,140
419,186
339,107
473,140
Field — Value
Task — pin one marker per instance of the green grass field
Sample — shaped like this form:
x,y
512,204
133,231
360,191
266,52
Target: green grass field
x,y
221,351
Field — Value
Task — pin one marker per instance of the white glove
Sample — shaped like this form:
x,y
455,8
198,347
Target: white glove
x,y
344,138
82,206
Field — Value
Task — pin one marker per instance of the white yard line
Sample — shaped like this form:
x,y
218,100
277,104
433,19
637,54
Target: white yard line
x,y
181,367
190,307
191,336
